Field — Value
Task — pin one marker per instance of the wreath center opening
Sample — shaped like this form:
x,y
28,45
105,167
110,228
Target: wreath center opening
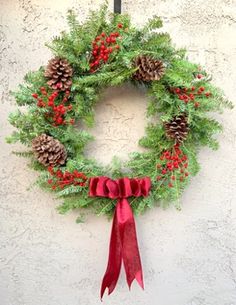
x,y
120,120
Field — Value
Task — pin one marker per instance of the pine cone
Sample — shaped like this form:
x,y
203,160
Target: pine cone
x,y
177,129
148,69
59,73
48,150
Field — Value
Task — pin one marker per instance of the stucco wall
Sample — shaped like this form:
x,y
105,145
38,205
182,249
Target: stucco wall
x,y
189,257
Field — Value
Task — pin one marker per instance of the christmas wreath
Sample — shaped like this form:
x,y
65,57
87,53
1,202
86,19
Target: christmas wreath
x,y
106,50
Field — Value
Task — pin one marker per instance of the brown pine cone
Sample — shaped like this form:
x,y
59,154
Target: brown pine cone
x,y
59,73
177,129
49,151
148,69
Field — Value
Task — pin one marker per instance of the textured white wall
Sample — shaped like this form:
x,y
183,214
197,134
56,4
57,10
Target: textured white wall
x,y
189,257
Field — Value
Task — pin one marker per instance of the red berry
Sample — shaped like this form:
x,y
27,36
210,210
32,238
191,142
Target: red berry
x,y
201,88
120,25
175,157
176,164
35,95
186,174
207,94
164,171
103,34
50,169
196,105
184,158
193,88
191,96
178,152
62,110
59,121
177,90
168,157
170,185
173,177
158,178
199,76
117,47
50,104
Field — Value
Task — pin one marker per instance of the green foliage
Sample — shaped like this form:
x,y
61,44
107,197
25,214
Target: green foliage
x,y
154,23
76,46
180,73
33,82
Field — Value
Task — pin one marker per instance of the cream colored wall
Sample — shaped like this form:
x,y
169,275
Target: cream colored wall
x,y
189,257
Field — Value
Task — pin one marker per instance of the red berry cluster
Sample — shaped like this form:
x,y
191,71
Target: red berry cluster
x,y
56,111
173,166
103,46
190,94
199,76
61,180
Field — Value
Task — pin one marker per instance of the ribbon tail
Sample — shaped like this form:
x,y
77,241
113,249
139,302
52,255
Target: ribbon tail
x,y
130,250
114,261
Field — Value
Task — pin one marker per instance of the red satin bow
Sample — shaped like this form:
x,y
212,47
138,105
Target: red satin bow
x,y
123,241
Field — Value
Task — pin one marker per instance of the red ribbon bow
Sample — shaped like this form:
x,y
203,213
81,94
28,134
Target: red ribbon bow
x,y
123,241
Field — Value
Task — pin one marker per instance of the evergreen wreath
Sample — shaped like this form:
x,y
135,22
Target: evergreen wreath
x,y
106,50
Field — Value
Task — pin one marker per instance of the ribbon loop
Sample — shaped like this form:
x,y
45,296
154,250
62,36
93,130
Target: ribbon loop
x,y
123,240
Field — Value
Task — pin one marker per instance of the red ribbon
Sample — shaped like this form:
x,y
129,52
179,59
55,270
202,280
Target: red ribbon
x,y
123,241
